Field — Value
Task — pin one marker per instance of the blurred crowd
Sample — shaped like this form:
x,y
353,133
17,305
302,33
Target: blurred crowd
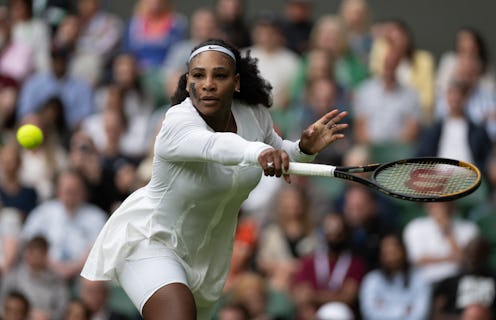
x,y
98,86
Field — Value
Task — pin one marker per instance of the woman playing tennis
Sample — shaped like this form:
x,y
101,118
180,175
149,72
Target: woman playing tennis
x,y
169,244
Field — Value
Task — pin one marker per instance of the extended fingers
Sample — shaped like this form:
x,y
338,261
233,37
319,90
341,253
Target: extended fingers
x,y
333,117
325,119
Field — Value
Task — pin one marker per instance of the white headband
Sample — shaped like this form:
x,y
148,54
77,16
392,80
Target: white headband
x,y
213,47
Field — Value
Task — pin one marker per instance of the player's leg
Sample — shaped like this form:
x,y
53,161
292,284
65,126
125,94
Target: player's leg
x,y
158,287
173,301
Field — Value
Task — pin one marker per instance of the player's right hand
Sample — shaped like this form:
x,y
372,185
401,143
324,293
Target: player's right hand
x,y
275,162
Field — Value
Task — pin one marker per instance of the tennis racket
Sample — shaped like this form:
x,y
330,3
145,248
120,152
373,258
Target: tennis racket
x,y
415,179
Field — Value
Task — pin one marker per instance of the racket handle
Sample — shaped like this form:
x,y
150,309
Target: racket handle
x,y
311,169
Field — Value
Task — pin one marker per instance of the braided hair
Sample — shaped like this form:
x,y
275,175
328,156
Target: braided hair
x,y
254,90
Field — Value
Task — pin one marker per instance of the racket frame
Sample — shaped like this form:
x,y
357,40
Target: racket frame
x,y
349,173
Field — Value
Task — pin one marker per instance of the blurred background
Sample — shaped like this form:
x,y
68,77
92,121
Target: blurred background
x,y
433,22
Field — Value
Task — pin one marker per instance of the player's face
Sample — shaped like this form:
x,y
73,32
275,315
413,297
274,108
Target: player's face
x,y
211,82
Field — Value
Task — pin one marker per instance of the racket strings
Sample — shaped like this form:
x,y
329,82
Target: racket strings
x,y
426,179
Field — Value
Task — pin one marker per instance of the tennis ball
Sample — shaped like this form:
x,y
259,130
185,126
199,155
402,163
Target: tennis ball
x,y
29,136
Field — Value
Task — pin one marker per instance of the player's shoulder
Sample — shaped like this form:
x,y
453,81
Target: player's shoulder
x,y
258,111
181,112
181,108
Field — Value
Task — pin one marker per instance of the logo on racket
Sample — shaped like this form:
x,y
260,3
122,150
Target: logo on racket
x,y
425,180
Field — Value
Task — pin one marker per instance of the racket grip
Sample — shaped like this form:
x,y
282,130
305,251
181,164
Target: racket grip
x,y
311,169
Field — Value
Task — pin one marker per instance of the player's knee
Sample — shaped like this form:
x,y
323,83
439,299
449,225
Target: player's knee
x,y
173,301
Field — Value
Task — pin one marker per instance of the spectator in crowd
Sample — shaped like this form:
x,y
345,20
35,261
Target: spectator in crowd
x,y
476,312
315,64
234,29
40,165
277,64
16,62
331,274
469,42
322,94
125,74
51,116
203,26
31,32
137,105
385,110
370,218
115,133
261,302
357,17
292,236
67,34
9,91
395,290
68,222
233,311
481,108
153,29
48,294
435,242
100,31
16,307
329,33
10,231
297,23
483,212
75,94
13,192
52,11
455,136
94,42
125,181
416,68
113,124
95,295
84,157
77,310
475,284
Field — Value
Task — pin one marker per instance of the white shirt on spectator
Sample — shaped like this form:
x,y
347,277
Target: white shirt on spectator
x,y
385,111
453,142
70,235
423,237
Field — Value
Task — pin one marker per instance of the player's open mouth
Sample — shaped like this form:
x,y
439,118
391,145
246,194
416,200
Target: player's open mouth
x,y
209,100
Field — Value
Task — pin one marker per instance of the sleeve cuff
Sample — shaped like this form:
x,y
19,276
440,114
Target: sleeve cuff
x,y
301,156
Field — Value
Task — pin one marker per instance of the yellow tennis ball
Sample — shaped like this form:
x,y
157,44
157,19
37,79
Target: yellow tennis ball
x,y
29,136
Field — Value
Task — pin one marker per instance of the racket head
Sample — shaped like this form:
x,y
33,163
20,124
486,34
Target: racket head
x,y
427,179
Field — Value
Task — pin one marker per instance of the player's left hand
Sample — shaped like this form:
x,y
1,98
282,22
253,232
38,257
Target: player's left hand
x,y
323,132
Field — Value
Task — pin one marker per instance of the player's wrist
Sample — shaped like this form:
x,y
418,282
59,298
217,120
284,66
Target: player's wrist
x,y
304,150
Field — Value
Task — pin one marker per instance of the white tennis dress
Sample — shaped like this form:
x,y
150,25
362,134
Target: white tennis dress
x,y
190,206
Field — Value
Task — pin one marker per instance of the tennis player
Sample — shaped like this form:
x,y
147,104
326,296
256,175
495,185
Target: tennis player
x,y
169,244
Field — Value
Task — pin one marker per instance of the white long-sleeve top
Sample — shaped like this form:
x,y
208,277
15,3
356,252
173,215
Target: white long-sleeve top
x,y
199,180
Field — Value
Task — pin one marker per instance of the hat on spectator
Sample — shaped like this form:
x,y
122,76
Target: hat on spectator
x,y
334,311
